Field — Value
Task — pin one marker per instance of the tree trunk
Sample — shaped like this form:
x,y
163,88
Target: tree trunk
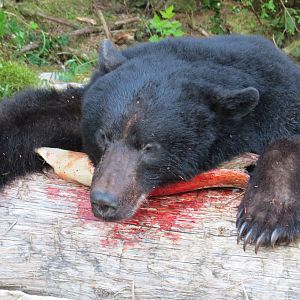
x,y
178,247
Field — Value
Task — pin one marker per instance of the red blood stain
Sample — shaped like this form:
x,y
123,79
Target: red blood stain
x,y
52,192
165,217
160,217
76,194
81,197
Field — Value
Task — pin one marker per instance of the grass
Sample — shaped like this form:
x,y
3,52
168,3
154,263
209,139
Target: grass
x,y
15,76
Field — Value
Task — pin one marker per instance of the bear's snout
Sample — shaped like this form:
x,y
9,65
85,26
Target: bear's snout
x,y
115,193
103,204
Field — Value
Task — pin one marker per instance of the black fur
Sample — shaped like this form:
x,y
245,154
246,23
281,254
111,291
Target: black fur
x,y
36,118
270,211
162,112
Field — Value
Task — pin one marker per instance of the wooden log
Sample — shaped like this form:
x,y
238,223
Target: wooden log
x,y
17,295
177,247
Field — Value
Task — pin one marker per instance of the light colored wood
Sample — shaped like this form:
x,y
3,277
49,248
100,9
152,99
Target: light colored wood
x,y
17,295
179,247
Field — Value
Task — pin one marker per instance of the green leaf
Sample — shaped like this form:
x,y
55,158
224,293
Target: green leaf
x,y
63,40
168,13
270,5
33,25
290,25
176,24
178,33
297,53
154,38
162,27
2,23
156,22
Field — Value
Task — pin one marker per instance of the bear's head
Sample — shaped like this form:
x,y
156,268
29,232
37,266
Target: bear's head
x,y
148,121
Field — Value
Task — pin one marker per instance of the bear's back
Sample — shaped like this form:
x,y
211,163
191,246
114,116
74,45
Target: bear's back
x,y
254,55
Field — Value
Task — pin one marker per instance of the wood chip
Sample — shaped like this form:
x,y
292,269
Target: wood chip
x,y
87,20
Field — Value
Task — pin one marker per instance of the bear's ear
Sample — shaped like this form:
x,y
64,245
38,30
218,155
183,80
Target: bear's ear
x,y
235,103
109,57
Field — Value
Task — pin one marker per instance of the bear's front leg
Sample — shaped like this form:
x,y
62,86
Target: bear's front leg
x,y
269,213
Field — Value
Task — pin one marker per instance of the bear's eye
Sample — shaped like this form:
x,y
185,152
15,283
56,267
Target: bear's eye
x,y
151,148
101,139
151,153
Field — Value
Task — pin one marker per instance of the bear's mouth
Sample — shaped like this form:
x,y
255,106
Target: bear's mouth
x,y
125,210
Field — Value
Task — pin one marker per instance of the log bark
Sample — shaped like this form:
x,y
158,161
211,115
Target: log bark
x,y
177,247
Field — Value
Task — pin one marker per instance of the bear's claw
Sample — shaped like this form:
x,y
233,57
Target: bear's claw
x,y
252,232
269,213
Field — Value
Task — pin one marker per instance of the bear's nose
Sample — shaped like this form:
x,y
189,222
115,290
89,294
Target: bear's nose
x,y
104,203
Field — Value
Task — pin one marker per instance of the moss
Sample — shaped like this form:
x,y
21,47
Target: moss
x,y
293,49
15,76
68,9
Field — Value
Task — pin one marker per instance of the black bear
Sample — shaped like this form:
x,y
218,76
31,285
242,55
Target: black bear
x,y
162,112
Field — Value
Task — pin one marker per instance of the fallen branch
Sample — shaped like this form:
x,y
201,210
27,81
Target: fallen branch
x,y
56,20
30,47
84,31
87,20
70,52
104,24
121,23
124,30
203,32
31,13
198,28
76,33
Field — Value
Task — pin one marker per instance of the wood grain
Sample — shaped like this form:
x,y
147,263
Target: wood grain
x,y
178,247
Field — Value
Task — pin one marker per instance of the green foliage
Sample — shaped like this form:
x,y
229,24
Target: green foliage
x,y
215,19
281,19
163,26
212,4
75,68
2,23
16,35
33,25
28,42
14,77
291,18
274,18
48,46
